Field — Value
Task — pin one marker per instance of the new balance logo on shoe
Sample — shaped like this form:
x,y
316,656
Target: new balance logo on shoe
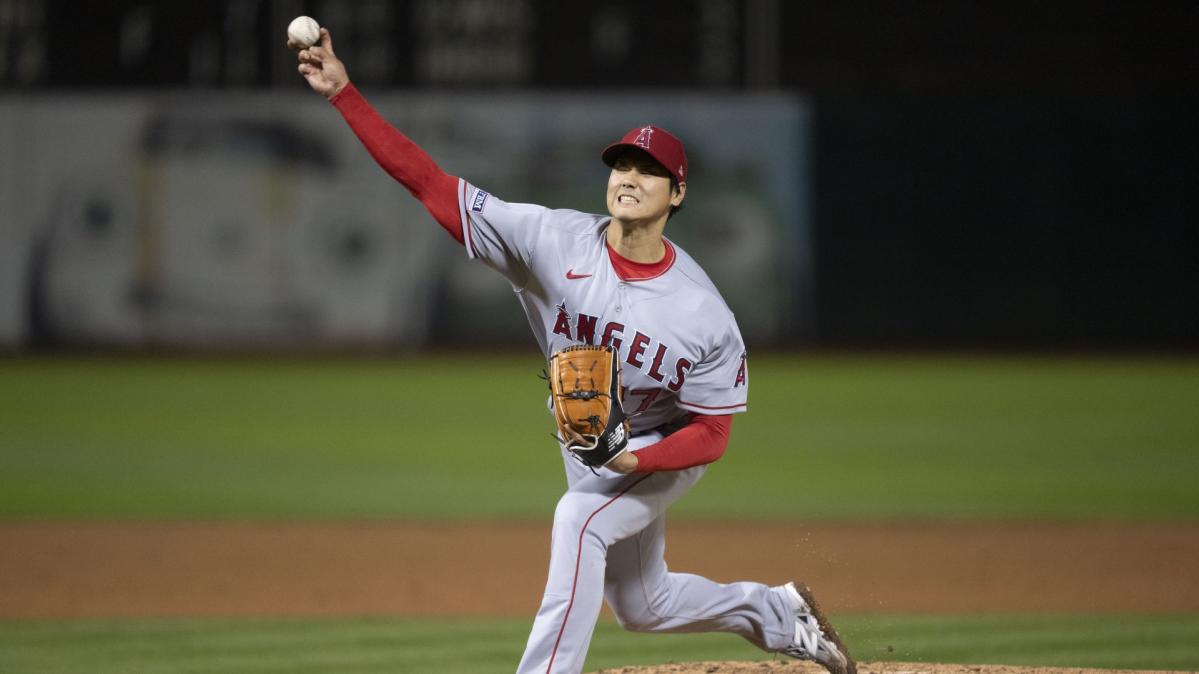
x,y
815,639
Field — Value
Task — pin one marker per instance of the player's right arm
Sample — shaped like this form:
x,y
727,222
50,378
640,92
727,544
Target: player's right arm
x,y
403,159
325,73
502,235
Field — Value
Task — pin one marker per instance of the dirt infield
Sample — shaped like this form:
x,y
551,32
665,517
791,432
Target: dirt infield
x,y
397,568
794,667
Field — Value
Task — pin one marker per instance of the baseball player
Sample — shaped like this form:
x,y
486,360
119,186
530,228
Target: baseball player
x,y
613,280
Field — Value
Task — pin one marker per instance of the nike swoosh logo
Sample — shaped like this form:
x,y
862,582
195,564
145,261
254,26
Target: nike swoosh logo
x,y
573,276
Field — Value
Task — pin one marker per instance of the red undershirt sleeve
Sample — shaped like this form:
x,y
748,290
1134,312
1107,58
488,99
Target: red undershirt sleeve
x,y
700,442
403,159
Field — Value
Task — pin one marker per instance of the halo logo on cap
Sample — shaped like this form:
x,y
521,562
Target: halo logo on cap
x,y
643,138
658,143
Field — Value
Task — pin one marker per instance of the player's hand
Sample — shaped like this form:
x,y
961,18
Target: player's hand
x,y
625,462
326,74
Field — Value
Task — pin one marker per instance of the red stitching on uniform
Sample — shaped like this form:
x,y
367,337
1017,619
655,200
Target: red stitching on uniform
x,y
470,240
578,560
462,216
710,407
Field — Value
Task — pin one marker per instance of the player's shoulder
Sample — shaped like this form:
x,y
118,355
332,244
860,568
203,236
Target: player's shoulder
x,y
576,222
480,202
695,293
694,280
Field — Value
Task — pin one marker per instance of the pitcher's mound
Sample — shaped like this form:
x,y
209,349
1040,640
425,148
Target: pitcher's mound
x,y
798,667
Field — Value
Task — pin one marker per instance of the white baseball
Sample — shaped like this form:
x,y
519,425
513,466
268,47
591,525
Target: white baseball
x,y
304,30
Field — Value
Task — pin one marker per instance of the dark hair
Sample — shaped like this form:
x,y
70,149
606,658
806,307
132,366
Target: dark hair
x,y
674,187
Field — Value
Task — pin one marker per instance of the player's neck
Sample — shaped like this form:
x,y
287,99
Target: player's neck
x,y
638,242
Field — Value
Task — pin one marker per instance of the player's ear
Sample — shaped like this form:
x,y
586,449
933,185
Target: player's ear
x,y
677,192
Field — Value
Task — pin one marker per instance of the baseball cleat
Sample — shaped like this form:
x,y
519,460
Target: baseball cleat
x,y
815,639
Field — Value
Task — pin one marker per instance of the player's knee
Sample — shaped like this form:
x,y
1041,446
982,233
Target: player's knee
x,y
630,608
641,623
635,617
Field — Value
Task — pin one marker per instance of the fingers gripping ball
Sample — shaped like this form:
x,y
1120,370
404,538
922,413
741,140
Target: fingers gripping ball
x,y
585,383
303,32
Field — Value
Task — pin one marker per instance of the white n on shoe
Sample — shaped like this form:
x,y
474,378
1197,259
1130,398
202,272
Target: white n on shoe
x,y
815,639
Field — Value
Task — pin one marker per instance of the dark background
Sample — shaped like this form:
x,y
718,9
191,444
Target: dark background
x,y
986,173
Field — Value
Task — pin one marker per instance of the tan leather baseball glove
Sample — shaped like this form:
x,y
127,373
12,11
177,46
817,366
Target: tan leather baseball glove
x,y
585,385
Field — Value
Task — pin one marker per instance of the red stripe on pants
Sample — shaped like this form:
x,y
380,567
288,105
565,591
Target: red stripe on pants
x,y
578,560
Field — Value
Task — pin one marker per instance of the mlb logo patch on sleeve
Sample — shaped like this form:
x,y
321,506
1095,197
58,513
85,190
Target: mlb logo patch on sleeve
x,y
480,199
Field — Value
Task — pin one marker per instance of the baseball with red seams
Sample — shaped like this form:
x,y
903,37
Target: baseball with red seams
x,y
304,31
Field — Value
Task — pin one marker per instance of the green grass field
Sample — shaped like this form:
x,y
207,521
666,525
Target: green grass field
x,y
826,437
421,646
939,437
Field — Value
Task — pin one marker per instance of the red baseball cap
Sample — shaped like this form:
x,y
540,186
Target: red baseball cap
x,y
659,143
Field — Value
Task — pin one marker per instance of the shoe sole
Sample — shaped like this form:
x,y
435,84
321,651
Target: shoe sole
x,y
851,667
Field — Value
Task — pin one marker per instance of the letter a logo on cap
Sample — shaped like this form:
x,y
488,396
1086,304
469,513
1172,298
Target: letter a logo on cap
x,y
655,141
643,138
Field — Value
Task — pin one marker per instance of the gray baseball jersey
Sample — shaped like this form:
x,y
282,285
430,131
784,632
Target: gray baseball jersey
x,y
679,344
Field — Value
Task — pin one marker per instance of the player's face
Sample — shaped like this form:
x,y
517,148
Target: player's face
x,y
639,189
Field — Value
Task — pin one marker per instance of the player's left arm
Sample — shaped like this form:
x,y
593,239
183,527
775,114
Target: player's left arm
x,y
702,441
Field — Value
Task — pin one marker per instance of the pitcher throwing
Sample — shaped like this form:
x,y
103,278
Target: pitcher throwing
x,y
613,281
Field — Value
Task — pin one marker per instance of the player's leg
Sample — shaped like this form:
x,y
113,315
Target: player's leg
x,y
646,597
595,513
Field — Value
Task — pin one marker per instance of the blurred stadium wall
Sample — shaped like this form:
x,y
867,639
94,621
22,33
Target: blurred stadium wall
x,y
943,174
211,219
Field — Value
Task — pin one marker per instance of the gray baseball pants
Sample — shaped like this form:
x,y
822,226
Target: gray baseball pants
x,y
609,543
